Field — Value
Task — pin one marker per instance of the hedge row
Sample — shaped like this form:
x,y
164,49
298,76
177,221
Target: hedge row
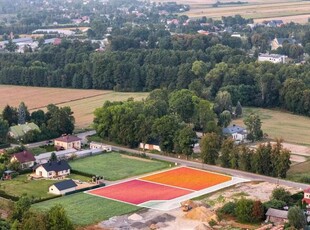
x,y
82,173
7,196
45,199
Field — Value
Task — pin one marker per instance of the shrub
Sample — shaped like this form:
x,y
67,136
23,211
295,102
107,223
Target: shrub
x,y
278,204
281,194
212,222
229,208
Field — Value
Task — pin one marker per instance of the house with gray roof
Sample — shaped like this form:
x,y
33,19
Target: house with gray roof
x,y
237,133
63,187
276,216
53,169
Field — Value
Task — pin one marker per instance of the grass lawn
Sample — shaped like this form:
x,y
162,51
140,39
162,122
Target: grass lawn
x,y
20,185
84,209
114,166
277,124
36,188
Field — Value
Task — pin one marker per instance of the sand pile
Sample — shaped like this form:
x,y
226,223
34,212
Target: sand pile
x,y
200,213
191,203
202,226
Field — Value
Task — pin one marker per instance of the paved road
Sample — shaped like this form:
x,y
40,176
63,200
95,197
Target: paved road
x,y
233,172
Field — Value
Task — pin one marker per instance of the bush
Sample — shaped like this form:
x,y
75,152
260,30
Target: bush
x,y
277,204
228,208
81,173
212,222
281,194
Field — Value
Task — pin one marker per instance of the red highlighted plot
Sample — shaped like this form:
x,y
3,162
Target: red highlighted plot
x,y
188,178
137,192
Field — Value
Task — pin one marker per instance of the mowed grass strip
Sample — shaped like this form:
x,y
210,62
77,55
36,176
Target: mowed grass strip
x,y
114,166
277,124
84,209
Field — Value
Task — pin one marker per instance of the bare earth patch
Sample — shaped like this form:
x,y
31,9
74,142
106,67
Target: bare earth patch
x,y
136,158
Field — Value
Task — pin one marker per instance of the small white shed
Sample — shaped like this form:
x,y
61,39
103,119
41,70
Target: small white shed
x,y
63,187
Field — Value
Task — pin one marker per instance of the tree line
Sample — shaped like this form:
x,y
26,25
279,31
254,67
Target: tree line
x,y
267,159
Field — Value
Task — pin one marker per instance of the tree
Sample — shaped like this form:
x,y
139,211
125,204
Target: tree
x,y
181,103
225,118
58,219
227,146
23,114
258,211
21,207
296,217
281,194
210,145
164,129
185,140
238,110
11,46
9,114
4,128
222,102
53,157
34,221
253,124
244,210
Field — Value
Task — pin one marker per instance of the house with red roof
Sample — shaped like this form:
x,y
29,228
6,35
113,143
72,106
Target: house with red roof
x,y
25,158
68,142
306,198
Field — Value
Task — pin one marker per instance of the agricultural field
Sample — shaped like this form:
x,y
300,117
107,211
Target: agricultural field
x,y
257,9
114,166
82,102
84,209
277,124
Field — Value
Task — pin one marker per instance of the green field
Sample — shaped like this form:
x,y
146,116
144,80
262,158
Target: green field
x,y
300,172
114,166
277,124
84,209
33,188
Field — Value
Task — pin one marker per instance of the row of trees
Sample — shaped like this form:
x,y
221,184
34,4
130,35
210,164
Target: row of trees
x,y
267,159
168,118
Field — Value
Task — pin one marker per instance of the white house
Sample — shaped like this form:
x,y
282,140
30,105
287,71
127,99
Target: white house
x,y
97,145
53,169
274,58
238,133
150,146
25,158
62,187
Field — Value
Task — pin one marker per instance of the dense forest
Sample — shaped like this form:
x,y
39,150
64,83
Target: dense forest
x,y
197,62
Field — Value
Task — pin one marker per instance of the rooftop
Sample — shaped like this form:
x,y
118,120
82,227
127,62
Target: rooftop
x,y
277,213
65,185
68,138
24,156
56,166
234,129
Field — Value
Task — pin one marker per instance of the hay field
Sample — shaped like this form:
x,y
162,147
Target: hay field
x,y
277,124
257,9
82,102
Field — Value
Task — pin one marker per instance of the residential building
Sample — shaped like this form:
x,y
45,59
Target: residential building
x,y
25,158
276,216
68,142
18,131
150,146
238,133
306,200
274,58
53,169
97,145
62,187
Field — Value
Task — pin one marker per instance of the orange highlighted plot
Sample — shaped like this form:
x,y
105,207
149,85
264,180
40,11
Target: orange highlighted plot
x,y
187,178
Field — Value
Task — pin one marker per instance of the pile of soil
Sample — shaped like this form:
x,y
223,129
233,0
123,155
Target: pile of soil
x,y
191,203
202,226
200,213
